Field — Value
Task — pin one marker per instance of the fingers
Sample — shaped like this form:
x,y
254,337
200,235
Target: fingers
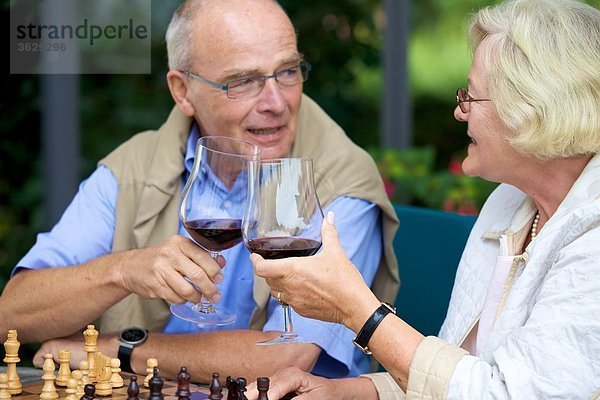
x,y
38,358
329,235
176,270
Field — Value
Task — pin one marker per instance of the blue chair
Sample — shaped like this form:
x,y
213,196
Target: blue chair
x,y
428,244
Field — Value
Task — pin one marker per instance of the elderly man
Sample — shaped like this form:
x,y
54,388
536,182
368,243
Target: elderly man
x,y
235,70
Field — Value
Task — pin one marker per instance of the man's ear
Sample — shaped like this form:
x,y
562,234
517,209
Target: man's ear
x,y
179,91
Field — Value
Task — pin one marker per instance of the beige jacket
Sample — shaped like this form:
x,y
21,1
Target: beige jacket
x,y
149,169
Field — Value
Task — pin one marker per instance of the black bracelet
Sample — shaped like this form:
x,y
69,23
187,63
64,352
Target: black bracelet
x,y
362,339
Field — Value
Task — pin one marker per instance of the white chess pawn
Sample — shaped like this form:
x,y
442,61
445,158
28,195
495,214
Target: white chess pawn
x,y
150,363
78,376
48,390
71,389
115,379
84,366
4,394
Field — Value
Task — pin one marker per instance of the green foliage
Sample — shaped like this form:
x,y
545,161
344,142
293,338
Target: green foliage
x,y
410,177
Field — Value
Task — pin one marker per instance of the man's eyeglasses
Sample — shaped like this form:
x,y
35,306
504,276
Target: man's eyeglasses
x,y
253,85
464,100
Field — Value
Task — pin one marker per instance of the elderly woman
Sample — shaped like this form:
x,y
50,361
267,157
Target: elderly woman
x,y
524,317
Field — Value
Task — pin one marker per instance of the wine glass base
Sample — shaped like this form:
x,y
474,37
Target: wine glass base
x,y
215,317
285,338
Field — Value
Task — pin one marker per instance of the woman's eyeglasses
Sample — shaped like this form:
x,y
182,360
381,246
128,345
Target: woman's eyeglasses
x,y
464,100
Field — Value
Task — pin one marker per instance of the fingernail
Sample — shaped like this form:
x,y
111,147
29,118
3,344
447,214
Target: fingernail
x,y
218,278
216,298
331,218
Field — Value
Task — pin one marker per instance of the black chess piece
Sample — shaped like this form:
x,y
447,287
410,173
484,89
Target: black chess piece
x,y
262,384
183,384
133,390
89,391
231,386
241,388
156,384
216,390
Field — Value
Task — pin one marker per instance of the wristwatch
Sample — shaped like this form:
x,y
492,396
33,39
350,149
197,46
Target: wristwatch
x,y
130,338
362,339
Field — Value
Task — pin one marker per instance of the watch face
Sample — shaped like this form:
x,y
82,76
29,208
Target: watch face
x,y
133,335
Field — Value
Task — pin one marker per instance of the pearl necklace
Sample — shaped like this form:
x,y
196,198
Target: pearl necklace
x,y
534,226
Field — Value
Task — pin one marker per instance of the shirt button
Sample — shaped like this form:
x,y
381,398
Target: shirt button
x,y
227,204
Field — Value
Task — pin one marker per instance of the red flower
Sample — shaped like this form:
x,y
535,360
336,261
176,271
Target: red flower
x,y
455,166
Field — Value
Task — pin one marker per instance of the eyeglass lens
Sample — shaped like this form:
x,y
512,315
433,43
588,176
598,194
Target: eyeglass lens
x,y
253,85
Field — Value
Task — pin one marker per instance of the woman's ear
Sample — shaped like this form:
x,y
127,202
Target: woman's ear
x,y
177,82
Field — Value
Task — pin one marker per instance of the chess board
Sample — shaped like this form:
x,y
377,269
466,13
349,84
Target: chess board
x,y
32,391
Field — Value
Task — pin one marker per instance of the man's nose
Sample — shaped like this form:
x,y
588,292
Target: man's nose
x,y
271,98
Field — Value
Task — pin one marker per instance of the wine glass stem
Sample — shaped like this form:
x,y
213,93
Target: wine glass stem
x,y
287,319
205,306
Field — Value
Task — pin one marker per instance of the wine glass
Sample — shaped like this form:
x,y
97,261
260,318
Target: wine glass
x,y
284,219
212,204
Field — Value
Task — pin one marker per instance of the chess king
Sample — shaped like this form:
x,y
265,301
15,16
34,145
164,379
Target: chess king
x,y
119,254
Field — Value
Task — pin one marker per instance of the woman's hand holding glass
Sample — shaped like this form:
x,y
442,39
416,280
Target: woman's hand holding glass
x,y
326,286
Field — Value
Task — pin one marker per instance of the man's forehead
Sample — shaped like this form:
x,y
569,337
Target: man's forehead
x,y
244,36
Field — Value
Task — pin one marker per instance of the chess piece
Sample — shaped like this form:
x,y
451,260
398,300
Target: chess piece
x,y
241,388
216,390
133,390
84,366
150,363
89,392
183,384
78,376
48,389
115,379
262,384
156,385
103,373
231,388
4,394
64,371
90,335
11,347
71,389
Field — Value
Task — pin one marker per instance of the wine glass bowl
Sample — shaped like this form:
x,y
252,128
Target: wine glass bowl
x,y
211,208
283,219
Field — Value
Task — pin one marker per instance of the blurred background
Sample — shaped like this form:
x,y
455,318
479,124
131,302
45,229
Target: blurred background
x,y
345,42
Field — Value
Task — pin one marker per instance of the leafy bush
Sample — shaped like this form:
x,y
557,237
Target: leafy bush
x,y
410,177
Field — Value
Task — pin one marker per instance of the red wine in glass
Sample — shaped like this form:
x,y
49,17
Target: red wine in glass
x,y
221,171
282,247
215,234
283,220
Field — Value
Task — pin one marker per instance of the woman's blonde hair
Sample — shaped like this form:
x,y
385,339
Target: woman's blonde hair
x,y
543,60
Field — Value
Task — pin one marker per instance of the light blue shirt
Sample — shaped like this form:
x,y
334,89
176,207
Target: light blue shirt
x,y
86,229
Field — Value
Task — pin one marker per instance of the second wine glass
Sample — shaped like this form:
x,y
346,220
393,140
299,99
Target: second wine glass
x,y
212,204
284,219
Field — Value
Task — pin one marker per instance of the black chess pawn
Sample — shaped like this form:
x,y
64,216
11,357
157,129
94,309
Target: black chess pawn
x,y
216,390
183,384
262,384
133,390
230,384
241,388
156,384
89,392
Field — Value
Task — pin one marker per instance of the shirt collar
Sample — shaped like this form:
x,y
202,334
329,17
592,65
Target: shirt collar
x,y
190,152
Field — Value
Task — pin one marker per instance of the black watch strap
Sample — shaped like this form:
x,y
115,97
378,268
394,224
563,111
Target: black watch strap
x,y
129,339
362,339
124,355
